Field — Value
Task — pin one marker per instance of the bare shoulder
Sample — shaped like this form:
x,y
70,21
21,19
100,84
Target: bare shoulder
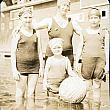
x,y
15,35
42,24
46,20
76,26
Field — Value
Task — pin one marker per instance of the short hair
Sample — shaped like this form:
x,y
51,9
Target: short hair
x,y
24,10
94,11
56,41
59,2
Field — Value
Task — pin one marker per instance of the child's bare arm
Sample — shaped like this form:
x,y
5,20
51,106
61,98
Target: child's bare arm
x,y
69,69
47,67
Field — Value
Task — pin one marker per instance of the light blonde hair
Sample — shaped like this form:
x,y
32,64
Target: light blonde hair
x,y
94,11
56,41
59,2
24,10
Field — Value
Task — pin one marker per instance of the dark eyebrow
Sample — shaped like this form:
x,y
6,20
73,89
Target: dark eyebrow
x,y
95,8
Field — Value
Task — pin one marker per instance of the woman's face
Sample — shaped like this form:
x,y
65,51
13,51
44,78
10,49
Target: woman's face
x,y
26,18
64,7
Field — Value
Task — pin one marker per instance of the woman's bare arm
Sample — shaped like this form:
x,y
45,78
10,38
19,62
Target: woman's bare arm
x,y
40,50
45,23
78,52
14,42
76,27
47,68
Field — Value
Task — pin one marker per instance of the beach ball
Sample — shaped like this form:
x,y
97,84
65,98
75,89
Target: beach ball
x,y
73,90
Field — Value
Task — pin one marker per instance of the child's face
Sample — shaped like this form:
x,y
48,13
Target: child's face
x,y
57,50
94,21
26,18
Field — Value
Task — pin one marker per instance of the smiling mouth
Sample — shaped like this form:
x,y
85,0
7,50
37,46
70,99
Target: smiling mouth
x,y
28,22
93,23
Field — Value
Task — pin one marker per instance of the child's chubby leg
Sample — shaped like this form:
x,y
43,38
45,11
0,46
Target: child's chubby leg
x,y
96,94
99,70
89,89
20,88
87,71
87,102
96,90
31,86
53,90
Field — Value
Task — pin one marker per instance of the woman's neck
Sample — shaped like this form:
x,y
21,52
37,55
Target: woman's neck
x,y
27,31
62,21
27,28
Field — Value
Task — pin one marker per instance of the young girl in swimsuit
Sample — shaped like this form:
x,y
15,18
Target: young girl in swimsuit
x,y
25,56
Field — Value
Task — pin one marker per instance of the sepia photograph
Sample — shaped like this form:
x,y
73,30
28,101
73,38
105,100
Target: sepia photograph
x,y
54,55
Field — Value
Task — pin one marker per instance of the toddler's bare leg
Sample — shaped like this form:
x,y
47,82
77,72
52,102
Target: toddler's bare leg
x,y
89,88
96,93
87,104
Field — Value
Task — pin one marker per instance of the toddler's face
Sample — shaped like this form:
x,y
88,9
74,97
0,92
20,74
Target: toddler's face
x,y
94,21
57,49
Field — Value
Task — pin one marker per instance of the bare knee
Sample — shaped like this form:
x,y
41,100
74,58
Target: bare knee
x,y
89,84
96,83
19,93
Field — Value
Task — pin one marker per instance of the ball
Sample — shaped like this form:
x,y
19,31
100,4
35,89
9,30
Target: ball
x,y
73,90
